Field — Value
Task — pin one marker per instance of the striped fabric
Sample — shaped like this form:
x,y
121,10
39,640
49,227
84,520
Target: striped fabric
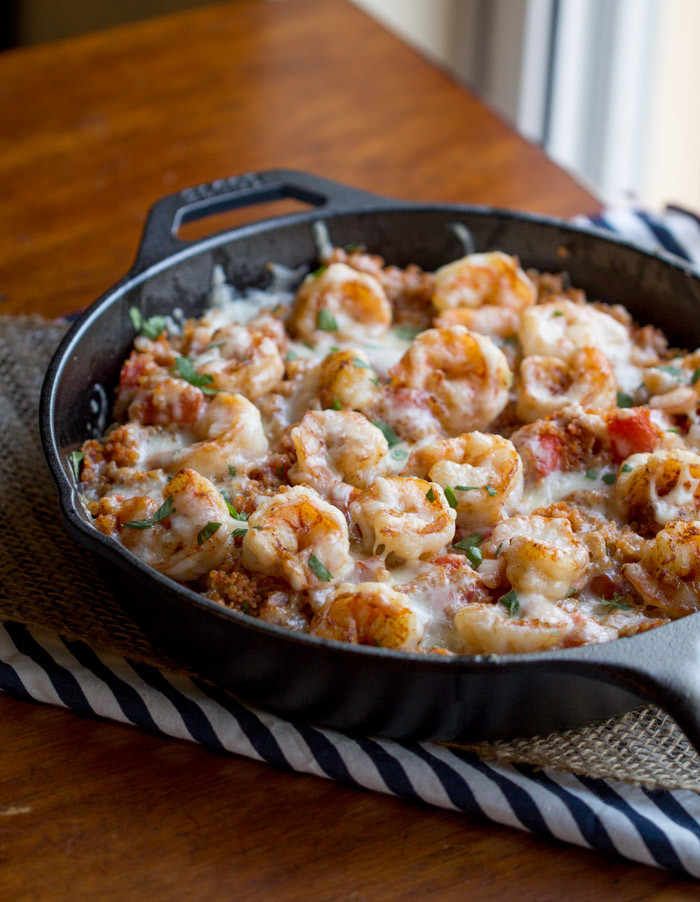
x,y
656,828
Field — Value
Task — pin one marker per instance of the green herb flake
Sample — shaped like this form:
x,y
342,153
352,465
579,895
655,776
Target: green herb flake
x,y
557,313
290,355
624,400
321,571
474,556
360,364
151,327
336,405
626,468
407,333
185,369
326,322
570,593
231,470
246,608
375,381
591,474
399,453
76,459
215,344
617,601
376,642
388,433
470,547
674,371
317,272
609,478
430,495
510,601
279,469
491,491
450,495
498,551
204,534
696,375
467,488
673,429
165,510
239,533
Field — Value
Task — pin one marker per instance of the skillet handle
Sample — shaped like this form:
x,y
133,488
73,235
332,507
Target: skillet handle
x,y
661,666
160,240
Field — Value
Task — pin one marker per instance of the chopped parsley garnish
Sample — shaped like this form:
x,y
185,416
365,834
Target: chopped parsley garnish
x,y
229,504
186,371
207,532
624,400
360,364
468,488
490,491
231,470
450,495
674,371
470,547
321,571
570,593
673,429
617,601
317,272
279,469
609,478
375,381
626,468
290,355
591,474
696,375
326,322
163,511
215,344
389,434
376,642
430,495
510,601
151,327
76,459
336,405
408,333
557,313
246,608
399,453
498,551
239,533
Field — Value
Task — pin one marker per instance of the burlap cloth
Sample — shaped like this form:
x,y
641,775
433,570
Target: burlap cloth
x,y
46,580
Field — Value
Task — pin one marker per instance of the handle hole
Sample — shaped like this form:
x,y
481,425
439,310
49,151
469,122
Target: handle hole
x,y
209,224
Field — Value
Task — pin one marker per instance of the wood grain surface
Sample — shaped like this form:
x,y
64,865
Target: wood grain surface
x,y
92,132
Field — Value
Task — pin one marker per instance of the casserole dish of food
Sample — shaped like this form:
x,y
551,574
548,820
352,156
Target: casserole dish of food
x,y
390,690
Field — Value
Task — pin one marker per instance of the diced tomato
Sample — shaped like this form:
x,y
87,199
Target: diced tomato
x,y
134,367
631,431
548,452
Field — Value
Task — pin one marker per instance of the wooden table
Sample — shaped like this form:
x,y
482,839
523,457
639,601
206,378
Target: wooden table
x,y
92,131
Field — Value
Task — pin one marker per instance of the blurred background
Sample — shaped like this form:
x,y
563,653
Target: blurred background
x,y
604,86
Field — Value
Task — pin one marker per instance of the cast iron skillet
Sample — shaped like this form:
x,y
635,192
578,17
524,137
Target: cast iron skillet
x,y
358,688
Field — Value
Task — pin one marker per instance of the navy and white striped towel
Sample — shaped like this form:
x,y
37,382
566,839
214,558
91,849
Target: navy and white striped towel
x,y
659,828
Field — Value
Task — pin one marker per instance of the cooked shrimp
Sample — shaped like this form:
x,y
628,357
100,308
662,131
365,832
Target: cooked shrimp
x,y
547,384
496,322
488,629
674,385
188,541
231,434
407,517
653,489
298,536
478,279
543,558
347,380
343,301
337,446
465,376
668,573
483,471
242,361
369,614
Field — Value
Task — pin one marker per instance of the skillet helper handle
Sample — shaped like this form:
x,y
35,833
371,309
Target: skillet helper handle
x,y
661,666
160,239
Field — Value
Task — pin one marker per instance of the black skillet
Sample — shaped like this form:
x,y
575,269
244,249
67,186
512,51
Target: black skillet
x,y
359,688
